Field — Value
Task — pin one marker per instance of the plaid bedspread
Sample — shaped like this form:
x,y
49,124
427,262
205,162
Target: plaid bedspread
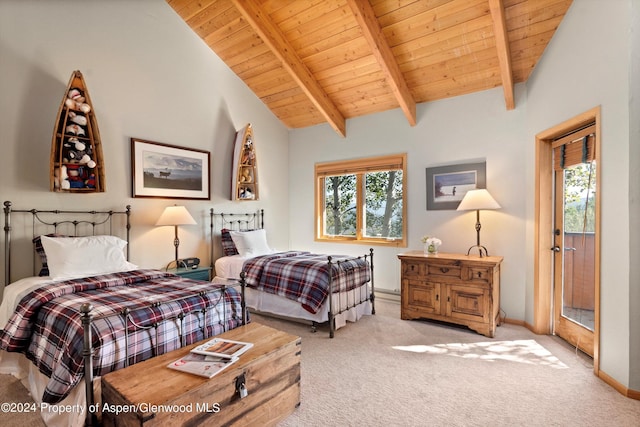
x,y
47,326
304,277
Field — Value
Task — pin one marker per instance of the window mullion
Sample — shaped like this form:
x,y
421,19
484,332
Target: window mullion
x,y
321,202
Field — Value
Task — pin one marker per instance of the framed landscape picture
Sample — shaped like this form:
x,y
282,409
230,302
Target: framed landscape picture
x,y
447,185
169,171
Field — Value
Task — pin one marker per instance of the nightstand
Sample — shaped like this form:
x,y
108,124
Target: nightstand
x,y
200,273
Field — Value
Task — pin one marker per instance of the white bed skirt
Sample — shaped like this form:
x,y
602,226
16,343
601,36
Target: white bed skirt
x,y
264,302
71,412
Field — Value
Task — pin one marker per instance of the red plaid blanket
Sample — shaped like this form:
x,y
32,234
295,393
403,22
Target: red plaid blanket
x,y
47,326
304,277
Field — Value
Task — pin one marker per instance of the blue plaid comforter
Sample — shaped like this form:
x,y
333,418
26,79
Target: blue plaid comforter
x,y
304,277
47,326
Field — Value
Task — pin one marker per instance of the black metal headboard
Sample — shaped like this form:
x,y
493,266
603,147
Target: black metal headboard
x,y
232,221
68,222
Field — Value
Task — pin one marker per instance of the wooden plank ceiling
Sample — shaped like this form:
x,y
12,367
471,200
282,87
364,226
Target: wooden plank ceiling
x,y
325,61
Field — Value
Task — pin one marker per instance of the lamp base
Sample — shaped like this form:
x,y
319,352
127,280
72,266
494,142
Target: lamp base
x,y
481,250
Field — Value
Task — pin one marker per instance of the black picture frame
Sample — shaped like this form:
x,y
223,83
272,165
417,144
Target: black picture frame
x,y
447,185
167,171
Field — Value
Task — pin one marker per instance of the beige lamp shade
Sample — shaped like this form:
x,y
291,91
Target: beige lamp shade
x,y
477,200
176,215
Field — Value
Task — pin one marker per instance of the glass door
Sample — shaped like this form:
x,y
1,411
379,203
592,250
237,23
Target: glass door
x,y
574,245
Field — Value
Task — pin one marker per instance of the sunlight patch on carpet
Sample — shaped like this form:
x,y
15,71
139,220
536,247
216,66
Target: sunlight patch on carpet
x,y
520,351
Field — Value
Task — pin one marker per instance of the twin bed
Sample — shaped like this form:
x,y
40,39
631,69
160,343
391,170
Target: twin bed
x,y
85,310
291,284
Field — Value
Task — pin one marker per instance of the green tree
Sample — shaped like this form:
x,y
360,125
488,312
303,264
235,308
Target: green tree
x,y
340,197
384,194
383,204
579,198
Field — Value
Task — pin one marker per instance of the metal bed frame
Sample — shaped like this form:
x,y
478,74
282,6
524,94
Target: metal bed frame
x,y
255,220
126,314
97,221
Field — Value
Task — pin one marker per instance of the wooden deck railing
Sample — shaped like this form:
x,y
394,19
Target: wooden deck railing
x,y
579,271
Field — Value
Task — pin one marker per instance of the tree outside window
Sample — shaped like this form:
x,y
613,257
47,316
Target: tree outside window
x,y
364,202
580,198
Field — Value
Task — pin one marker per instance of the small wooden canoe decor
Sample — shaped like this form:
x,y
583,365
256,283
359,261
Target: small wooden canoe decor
x,y
76,165
245,166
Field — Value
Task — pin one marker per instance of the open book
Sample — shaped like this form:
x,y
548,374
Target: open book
x,y
222,348
198,364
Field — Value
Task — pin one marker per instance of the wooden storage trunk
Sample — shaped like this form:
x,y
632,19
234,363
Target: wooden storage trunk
x,y
150,394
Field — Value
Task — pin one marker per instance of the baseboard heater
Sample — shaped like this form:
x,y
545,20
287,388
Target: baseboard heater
x,y
387,294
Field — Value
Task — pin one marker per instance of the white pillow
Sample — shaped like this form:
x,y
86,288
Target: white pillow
x,y
72,257
251,243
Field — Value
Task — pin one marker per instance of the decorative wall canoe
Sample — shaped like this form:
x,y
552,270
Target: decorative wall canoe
x,y
245,166
76,165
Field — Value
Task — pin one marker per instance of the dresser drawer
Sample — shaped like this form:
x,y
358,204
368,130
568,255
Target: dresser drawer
x,y
479,274
451,269
412,268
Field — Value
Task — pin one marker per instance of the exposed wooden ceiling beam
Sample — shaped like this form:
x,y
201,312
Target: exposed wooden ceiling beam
x,y
275,40
372,32
504,55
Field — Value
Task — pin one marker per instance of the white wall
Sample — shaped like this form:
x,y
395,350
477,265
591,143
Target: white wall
x,y
586,65
634,197
150,77
457,130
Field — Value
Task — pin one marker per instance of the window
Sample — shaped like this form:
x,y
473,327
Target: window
x,y
362,200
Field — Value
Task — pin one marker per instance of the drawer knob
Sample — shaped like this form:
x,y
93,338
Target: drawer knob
x,y
479,274
444,269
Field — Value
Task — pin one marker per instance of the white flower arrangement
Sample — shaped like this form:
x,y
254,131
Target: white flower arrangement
x,y
428,240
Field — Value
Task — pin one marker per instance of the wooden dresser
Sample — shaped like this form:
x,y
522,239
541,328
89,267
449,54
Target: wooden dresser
x,y
454,288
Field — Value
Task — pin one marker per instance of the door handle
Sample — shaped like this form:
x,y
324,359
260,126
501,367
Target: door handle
x,y
556,248
570,249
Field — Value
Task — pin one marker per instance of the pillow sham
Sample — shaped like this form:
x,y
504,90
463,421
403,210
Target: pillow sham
x,y
251,243
228,247
73,257
37,246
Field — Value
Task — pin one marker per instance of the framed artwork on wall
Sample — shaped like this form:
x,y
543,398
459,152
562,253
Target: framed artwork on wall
x,y
169,171
447,185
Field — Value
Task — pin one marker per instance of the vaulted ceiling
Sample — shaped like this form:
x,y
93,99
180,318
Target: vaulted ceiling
x,y
325,61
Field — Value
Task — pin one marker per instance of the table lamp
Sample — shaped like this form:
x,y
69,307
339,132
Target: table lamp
x,y
175,215
477,200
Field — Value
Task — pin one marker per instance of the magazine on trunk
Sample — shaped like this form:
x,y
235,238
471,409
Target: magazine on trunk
x,y
222,348
198,364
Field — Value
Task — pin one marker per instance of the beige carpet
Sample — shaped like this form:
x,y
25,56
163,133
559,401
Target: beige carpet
x,y
383,371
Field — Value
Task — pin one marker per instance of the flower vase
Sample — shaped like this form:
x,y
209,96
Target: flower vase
x,y
430,249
